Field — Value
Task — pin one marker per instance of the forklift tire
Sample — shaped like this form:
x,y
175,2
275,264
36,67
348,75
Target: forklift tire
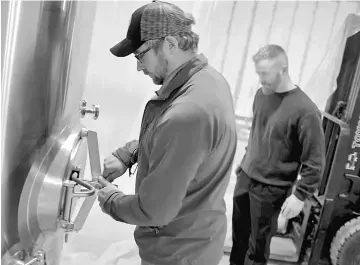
x,y
345,247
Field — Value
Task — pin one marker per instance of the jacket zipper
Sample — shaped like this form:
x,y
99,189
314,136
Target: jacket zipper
x,y
157,231
154,229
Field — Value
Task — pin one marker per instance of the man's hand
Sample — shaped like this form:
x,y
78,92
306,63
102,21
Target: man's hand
x,y
292,207
113,168
104,194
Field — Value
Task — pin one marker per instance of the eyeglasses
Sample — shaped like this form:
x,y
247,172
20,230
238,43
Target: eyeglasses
x,y
141,55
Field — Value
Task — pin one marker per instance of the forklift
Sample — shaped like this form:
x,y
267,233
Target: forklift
x,y
327,231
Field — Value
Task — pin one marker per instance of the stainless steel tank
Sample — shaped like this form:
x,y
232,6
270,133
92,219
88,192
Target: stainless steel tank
x,y
45,47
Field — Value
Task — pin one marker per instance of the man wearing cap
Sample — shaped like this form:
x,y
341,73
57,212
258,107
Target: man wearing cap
x,y
186,145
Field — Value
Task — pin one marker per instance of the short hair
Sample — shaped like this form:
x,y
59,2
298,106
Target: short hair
x,y
270,51
188,40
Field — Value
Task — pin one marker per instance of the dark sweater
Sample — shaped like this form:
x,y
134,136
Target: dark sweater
x,y
286,136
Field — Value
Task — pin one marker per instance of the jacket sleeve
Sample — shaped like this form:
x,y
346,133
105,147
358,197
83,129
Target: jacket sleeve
x,y
312,140
128,153
178,147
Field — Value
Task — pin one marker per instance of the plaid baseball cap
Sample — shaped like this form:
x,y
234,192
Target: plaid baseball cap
x,y
152,21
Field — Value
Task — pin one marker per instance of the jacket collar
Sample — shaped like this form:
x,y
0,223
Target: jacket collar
x,y
181,75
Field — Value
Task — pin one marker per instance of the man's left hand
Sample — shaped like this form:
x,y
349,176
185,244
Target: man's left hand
x,y
291,207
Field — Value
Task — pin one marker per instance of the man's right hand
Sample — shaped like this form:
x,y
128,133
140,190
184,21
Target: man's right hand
x,y
113,168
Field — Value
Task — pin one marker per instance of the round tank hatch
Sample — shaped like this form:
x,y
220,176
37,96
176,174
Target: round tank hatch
x,y
50,196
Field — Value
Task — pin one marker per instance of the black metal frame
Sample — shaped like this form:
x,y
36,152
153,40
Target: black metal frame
x,y
340,185
339,140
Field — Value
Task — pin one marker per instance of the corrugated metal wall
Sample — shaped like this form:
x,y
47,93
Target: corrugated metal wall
x,y
232,31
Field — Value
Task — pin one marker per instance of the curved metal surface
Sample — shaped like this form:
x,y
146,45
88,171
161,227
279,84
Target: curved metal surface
x,y
39,206
43,77
42,198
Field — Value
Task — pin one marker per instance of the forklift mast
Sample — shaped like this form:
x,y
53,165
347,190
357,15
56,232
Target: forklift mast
x,y
339,190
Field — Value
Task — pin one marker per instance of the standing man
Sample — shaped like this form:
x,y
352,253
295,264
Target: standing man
x,y
185,149
286,139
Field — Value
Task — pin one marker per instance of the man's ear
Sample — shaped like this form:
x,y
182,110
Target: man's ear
x,y
285,69
172,44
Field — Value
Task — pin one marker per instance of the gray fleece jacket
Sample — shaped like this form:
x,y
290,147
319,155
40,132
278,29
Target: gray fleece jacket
x,y
184,153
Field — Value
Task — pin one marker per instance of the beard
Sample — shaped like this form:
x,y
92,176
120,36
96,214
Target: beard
x,y
271,87
161,70
157,80
267,89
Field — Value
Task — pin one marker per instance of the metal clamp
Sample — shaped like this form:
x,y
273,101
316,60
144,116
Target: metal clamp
x,y
70,193
90,190
84,110
97,182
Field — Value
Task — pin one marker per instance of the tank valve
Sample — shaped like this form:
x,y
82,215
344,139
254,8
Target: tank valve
x,y
83,133
84,110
